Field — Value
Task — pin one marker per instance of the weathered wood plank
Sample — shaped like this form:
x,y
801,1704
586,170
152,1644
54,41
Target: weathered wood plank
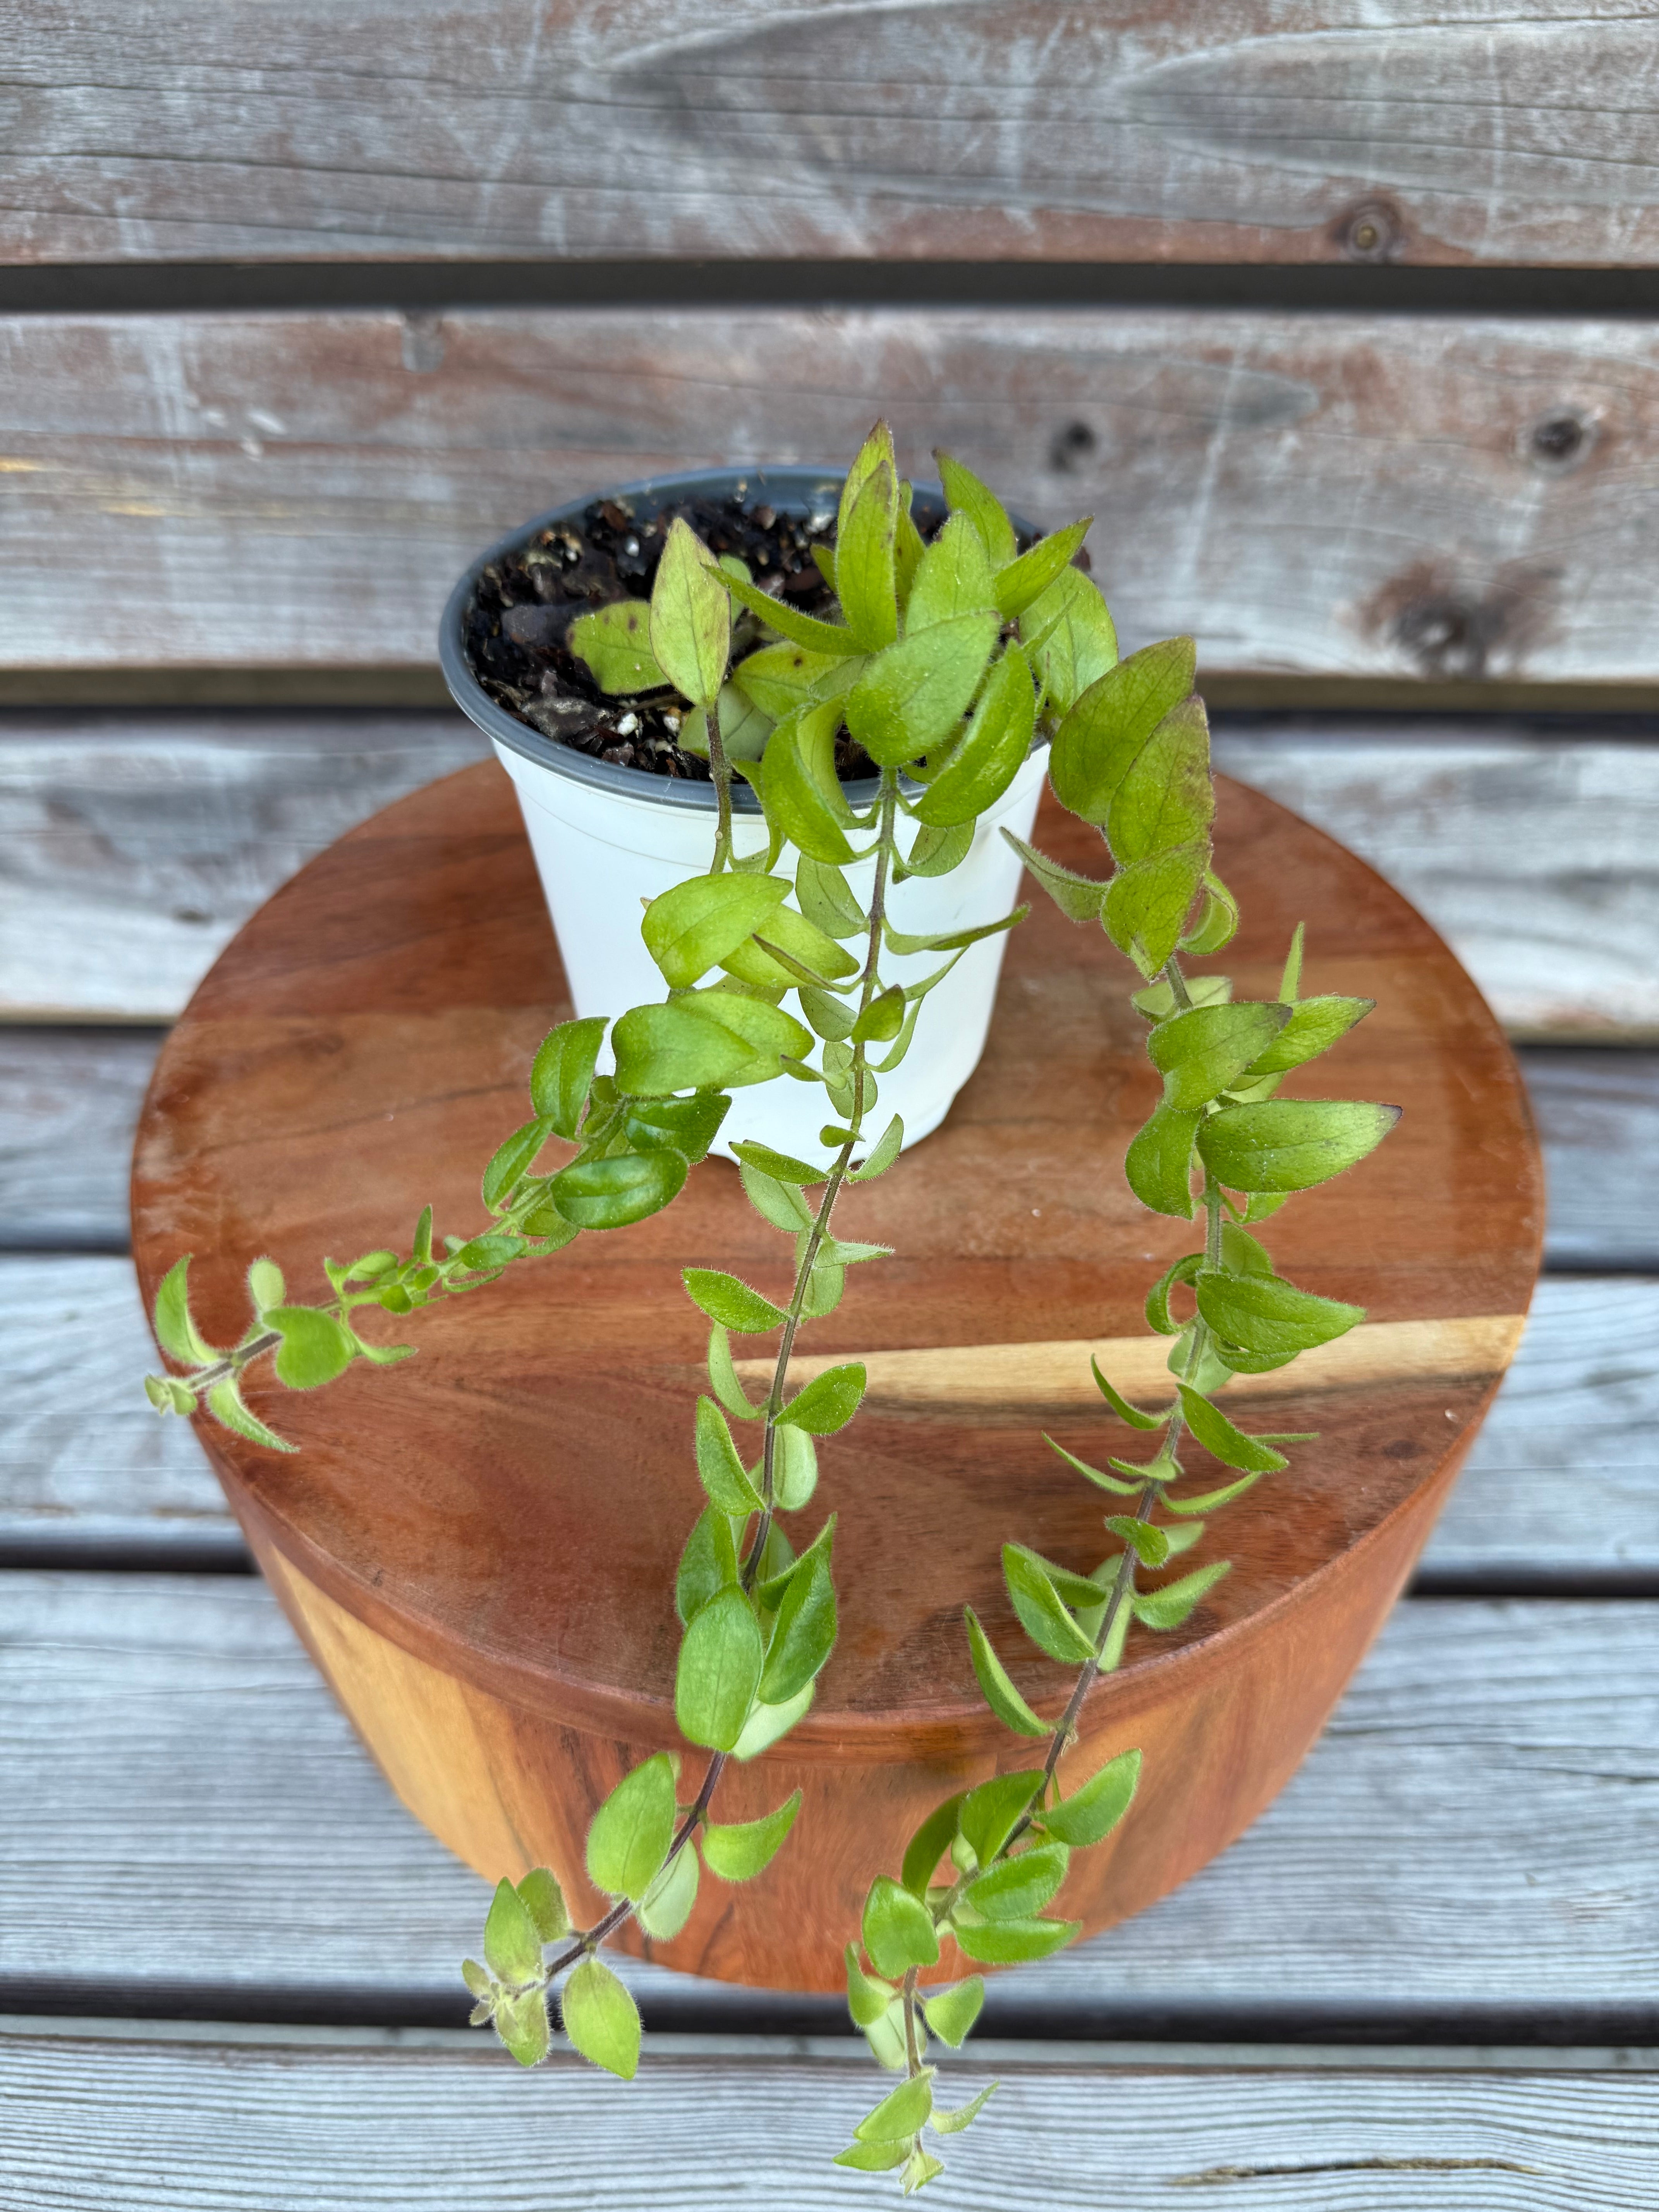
x,y
1282,132
1473,1840
1598,1115
132,848
1337,495
113,2125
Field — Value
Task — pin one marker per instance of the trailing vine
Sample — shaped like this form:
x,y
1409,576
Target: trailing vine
x,y
949,659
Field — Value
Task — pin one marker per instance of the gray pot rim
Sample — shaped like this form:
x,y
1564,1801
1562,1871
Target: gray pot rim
x,y
798,488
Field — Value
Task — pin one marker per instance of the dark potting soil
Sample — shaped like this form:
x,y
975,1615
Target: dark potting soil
x,y
525,603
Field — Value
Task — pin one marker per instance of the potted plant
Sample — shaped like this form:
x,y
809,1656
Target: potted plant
x,y
941,654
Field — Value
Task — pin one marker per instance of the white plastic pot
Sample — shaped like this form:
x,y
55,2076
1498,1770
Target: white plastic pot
x,y
607,838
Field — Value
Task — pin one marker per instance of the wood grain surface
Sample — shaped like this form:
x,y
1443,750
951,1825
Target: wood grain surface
x,y
136,845
1325,495
354,2130
1280,131
1467,1854
356,1042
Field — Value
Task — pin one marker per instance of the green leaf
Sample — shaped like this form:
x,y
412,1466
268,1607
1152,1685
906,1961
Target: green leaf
x,y
789,950
794,1469
1165,798
928,1845
729,1488
513,1160
1168,1607
992,749
907,547
1230,1445
867,1999
720,1670
699,923
1158,1316
521,2024
1292,1144
1026,578
936,852
805,1634
779,678
628,1836
739,1852
898,1929
1078,897
266,1285
803,798
512,1941
884,1018
768,1723
610,1193
1291,982
724,1379
1158,1164
1041,1615
224,1402
691,620
708,1563
951,2014
952,578
1158,1003
912,696
1017,1888
990,1814
1200,1051
562,1073
1091,1814
1111,720
882,1155
900,941
314,1348
1146,903
1218,922
707,1040
1122,1407
688,1126
903,2110
952,2123
1269,1318
1009,1942
1106,1481
776,1201
782,1167
1004,1699
825,898
667,1905
601,2018
1068,633
831,640
1312,1026
875,453
733,1304
829,1401
615,642
966,495
175,1328
866,579
1149,1544
169,1395
544,1902
873,2157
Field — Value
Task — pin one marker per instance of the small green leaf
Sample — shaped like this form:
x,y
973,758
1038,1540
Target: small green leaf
x,y
687,1126
690,619
805,1634
830,639
1025,580
740,1851
563,1073
1068,633
952,940
1212,1498
615,642
1200,1051
953,577
966,495
265,1286
1159,1315
1122,1407
794,1469
952,2123
1230,1445
829,1401
1091,1814
782,1167
1147,902
719,1673
990,1814
1078,897
512,1941
224,1402
1269,1318
708,1040
1218,922
521,2024
1168,1607
1111,720
992,751
951,2014
929,1845
601,2019
314,1348
544,1902
1148,1543
936,852
708,1563
613,1193
667,1905
787,949
882,1155
1292,1144
884,1018
803,797
780,678
175,1328
1017,1888
1291,982
1010,1942
721,1466
898,1929
866,579
912,696
824,896
628,1836
767,1724
513,1161
733,1304
867,1999
696,925
873,2157
1041,1615
1004,1699
1158,1164
903,2110
724,1379
1107,1482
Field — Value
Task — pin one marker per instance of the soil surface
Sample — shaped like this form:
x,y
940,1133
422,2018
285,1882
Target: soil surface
x,y
525,603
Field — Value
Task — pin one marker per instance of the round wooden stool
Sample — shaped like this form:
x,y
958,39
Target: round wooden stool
x,y
478,1548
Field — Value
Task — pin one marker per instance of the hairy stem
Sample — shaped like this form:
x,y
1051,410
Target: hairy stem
x,y
720,773
590,1939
